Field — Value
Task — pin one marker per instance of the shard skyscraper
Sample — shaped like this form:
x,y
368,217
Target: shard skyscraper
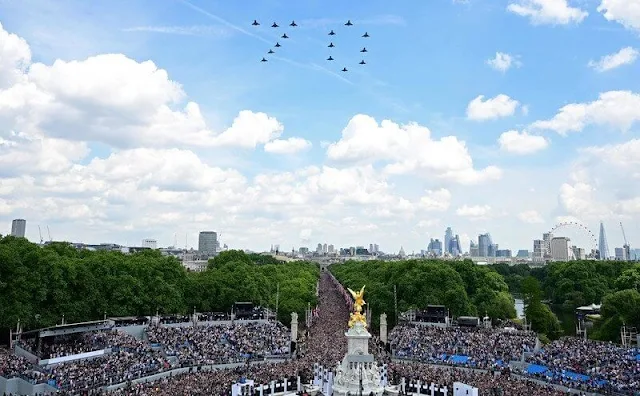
x,y
603,246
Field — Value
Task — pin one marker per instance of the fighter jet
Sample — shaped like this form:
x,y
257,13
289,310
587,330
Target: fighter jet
x,y
329,58
348,23
277,45
263,60
332,33
364,50
331,45
284,36
362,62
275,25
255,23
344,69
293,23
365,35
271,52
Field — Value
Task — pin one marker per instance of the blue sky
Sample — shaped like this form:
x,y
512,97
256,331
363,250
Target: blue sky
x,y
426,62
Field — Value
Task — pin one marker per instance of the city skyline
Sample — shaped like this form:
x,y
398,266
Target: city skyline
x,y
149,122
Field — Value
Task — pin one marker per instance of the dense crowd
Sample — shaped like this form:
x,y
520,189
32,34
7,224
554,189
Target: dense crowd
x,y
323,342
485,348
607,365
222,343
72,344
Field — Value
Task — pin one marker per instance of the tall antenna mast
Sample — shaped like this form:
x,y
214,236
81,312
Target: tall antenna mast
x,y
51,240
186,240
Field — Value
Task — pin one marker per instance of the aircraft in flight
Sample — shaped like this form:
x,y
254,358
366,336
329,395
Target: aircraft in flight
x,y
277,45
344,69
275,25
271,52
348,23
362,62
263,60
364,50
293,23
284,36
332,33
331,45
329,58
255,23
365,35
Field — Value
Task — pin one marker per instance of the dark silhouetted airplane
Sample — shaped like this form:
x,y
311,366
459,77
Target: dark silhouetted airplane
x,y
365,34
255,23
362,62
329,58
364,50
331,45
271,52
344,69
348,23
332,33
293,23
277,45
263,60
284,36
275,25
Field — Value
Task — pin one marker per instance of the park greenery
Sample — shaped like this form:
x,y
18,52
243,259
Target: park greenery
x,y
38,285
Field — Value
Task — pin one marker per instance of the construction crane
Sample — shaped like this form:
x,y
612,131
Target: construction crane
x,y
49,232
626,247
40,232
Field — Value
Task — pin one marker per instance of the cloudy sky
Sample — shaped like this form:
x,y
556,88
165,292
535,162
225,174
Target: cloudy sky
x,y
140,119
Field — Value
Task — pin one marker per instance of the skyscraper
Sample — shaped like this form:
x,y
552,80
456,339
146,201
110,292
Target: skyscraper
x,y
208,243
603,246
448,236
484,241
18,227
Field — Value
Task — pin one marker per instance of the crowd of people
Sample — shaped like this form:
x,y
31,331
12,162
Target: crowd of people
x,y
484,348
222,343
196,348
606,365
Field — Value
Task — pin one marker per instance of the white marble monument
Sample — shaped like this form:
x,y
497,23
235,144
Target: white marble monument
x,y
358,373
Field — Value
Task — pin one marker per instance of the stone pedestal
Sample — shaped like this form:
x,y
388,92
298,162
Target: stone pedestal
x,y
358,372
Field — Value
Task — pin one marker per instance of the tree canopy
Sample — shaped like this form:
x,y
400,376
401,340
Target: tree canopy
x,y
464,287
40,284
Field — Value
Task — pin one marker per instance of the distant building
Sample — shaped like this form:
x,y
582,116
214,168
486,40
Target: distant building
x,y
150,243
484,245
435,247
18,228
560,249
208,243
522,253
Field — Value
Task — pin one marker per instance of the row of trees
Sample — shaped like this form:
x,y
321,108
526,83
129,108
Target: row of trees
x,y
464,287
568,285
38,285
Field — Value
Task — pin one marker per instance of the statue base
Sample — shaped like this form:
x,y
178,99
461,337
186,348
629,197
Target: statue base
x,y
358,373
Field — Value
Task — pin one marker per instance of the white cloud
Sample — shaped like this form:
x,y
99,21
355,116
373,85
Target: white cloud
x,y
438,200
522,142
551,12
625,56
618,109
408,149
579,199
530,217
623,156
492,108
625,12
503,62
287,146
474,212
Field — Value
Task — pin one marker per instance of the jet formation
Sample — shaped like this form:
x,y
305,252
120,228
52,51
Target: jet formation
x,y
349,25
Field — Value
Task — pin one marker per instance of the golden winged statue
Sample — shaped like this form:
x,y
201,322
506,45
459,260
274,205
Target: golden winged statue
x,y
357,315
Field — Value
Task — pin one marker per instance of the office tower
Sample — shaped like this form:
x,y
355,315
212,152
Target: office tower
x,y
448,236
603,246
538,250
18,227
435,247
560,249
208,243
150,243
473,249
484,241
